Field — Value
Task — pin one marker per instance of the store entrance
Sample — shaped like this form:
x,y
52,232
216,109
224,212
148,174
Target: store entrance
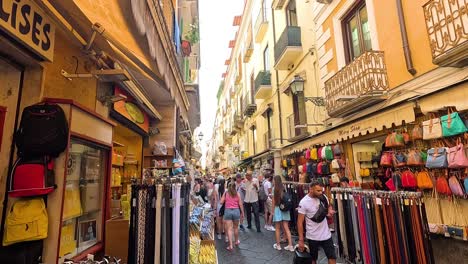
x,y
126,167
366,160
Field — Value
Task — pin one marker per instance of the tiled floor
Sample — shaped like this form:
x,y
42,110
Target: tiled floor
x,y
257,248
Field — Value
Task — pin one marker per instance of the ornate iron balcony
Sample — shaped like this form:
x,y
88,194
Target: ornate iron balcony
x,y
447,27
358,85
249,107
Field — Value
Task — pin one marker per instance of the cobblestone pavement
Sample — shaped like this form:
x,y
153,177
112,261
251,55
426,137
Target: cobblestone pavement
x,y
257,248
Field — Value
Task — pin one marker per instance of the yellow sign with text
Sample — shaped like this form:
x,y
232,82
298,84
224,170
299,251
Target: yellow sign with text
x,y
26,22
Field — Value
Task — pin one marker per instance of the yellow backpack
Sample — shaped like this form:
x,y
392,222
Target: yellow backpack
x,y
313,154
27,220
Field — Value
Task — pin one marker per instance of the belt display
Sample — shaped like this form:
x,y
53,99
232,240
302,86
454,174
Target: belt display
x,y
158,223
382,227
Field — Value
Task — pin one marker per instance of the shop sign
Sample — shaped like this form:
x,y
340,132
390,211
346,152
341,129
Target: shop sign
x,y
352,130
130,110
27,23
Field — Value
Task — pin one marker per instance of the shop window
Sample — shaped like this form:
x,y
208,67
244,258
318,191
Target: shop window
x,y
266,59
291,14
356,32
83,211
299,113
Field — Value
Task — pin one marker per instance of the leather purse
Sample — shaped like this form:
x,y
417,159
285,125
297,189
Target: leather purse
x,y
437,158
457,157
414,158
442,186
408,180
417,132
394,139
452,124
386,159
455,186
432,128
424,180
400,159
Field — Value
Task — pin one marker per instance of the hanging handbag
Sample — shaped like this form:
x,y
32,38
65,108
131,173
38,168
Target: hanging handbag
x,y
406,136
390,185
417,132
397,180
452,124
432,128
319,153
386,159
400,159
328,153
455,186
437,158
335,164
27,220
313,154
394,139
408,180
442,186
414,158
335,178
307,154
284,163
456,156
337,150
465,183
364,172
424,180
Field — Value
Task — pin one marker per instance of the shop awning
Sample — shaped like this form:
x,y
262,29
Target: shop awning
x,y
456,96
362,126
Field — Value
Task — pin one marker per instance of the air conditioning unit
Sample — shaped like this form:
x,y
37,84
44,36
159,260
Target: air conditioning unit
x,y
324,1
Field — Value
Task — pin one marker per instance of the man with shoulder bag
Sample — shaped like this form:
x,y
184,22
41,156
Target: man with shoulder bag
x,y
314,209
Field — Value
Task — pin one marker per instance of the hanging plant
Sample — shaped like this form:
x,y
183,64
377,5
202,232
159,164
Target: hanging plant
x,y
193,35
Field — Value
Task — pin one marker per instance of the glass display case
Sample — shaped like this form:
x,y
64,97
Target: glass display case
x,y
83,211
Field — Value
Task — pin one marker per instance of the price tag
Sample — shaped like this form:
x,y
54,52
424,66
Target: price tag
x,y
134,202
406,202
346,197
368,206
378,201
341,197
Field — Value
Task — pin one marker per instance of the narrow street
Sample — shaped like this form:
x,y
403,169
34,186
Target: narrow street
x,y
257,248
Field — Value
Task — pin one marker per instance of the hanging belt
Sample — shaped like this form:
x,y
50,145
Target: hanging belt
x,y
355,229
342,226
158,218
379,233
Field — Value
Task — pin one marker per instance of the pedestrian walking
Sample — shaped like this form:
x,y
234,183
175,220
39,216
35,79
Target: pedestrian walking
x,y
251,187
267,188
280,218
219,188
314,208
233,214
240,188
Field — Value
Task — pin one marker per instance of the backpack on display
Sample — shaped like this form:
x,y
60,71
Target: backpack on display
x,y
314,154
43,131
27,220
286,203
32,177
328,153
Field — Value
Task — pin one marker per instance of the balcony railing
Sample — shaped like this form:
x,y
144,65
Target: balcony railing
x,y
288,45
249,48
261,24
262,84
249,107
447,27
295,133
358,85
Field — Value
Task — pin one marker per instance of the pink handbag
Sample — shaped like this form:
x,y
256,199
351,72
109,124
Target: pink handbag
x,y
455,186
386,159
457,157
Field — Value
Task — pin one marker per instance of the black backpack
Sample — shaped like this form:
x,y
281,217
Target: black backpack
x,y
43,131
286,203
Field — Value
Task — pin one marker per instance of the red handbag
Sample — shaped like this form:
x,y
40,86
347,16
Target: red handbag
x,y
408,180
442,186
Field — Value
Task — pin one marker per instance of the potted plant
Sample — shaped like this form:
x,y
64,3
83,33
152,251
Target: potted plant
x,y
193,35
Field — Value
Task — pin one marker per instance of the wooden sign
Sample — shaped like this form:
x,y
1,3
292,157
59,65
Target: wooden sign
x,y
26,22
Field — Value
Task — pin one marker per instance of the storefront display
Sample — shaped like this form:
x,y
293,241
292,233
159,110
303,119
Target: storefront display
x,y
202,245
83,199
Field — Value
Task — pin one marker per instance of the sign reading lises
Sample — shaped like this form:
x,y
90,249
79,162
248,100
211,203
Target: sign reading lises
x,y
26,22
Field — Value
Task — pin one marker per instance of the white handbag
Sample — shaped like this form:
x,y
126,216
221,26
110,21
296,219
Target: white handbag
x,y
335,164
432,128
335,178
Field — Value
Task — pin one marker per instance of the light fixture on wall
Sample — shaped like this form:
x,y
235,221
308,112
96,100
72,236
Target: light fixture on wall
x,y
200,136
297,86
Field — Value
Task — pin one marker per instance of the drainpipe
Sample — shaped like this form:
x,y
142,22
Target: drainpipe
x,y
404,38
277,79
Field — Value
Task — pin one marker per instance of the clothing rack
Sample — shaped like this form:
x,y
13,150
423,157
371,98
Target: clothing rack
x,y
158,221
381,226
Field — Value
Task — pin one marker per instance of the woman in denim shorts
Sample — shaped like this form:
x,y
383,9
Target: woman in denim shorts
x,y
233,212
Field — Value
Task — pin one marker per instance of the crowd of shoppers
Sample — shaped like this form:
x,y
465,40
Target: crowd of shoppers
x,y
239,197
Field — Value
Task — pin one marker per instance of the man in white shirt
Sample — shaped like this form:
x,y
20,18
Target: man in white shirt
x,y
251,187
317,234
